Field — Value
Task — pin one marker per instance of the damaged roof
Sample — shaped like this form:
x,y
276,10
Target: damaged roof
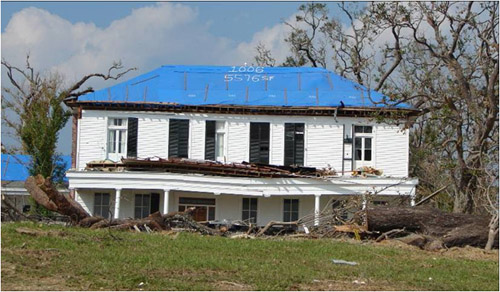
x,y
242,86
184,165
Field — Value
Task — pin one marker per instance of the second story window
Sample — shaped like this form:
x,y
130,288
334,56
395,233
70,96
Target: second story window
x,y
363,144
259,143
215,136
294,144
117,138
178,138
122,138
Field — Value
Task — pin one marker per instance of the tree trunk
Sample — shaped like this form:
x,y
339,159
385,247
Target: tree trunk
x,y
492,232
452,228
47,195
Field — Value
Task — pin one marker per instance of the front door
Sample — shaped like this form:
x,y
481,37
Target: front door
x,y
200,213
204,208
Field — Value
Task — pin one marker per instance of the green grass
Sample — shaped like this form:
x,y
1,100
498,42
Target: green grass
x,y
85,259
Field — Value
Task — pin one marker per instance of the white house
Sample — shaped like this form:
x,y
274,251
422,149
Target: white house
x,y
306,117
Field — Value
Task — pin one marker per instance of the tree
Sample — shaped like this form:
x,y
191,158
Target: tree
x,y
36,112
442,58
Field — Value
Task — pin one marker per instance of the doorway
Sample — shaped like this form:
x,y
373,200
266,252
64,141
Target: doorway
x,y
205,208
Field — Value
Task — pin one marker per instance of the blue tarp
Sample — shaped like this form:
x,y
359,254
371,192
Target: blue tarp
x,y
15,167
241,85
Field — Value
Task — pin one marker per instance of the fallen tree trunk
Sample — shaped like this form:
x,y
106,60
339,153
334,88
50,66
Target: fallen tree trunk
x,y
451,228
44,193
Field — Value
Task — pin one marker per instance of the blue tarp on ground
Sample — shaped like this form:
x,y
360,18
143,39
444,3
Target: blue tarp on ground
x,y
242,85
15,166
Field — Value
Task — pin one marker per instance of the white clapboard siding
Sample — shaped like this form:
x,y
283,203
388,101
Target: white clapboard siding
x,y
92,139
152,136
277,143
197,138
238,139
324,145
391,150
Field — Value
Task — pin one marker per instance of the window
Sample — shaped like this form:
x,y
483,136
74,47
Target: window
x,y
259,143
117,137
205,208
249,210
178,138
101,205
363,129
142,205
294,144
363,143
215,140
122,138
146,204
290,210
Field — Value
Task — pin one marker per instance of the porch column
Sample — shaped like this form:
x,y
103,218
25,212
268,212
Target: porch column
x,y
316,209
118,193
166,197
364,202
412,197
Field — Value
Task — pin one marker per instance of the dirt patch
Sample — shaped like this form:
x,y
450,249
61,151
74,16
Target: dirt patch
x,y
468,252
37,232
231,286
41,284
354,285
184,273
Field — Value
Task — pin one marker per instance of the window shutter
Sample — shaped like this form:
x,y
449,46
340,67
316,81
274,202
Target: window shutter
x,y
259,143
294,144
254,142
132,127
210,140
289,144
299,144
178,138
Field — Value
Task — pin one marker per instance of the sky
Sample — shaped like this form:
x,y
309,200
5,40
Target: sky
x,y
78,38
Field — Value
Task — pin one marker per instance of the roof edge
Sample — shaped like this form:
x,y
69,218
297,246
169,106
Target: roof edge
x,y
244,109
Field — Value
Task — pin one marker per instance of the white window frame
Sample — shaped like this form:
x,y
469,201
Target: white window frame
x,y
250,209
363,136
115,156
224,131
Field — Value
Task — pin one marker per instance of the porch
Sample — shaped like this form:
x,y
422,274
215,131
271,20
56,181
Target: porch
x,y
137,194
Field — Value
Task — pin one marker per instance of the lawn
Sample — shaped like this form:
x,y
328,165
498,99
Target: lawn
x,y
71,258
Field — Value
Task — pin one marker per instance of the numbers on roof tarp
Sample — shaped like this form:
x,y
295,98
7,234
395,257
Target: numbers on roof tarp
x,y
247,77
249,69
241,73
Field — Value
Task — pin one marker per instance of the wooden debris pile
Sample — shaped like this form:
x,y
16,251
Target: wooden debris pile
x,y
367,171
184,165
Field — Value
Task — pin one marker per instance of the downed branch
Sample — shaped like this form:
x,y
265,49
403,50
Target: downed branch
x,y
388,234
273,223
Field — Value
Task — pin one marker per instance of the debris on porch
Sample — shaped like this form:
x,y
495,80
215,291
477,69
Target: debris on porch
x,y
184,165
365,171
